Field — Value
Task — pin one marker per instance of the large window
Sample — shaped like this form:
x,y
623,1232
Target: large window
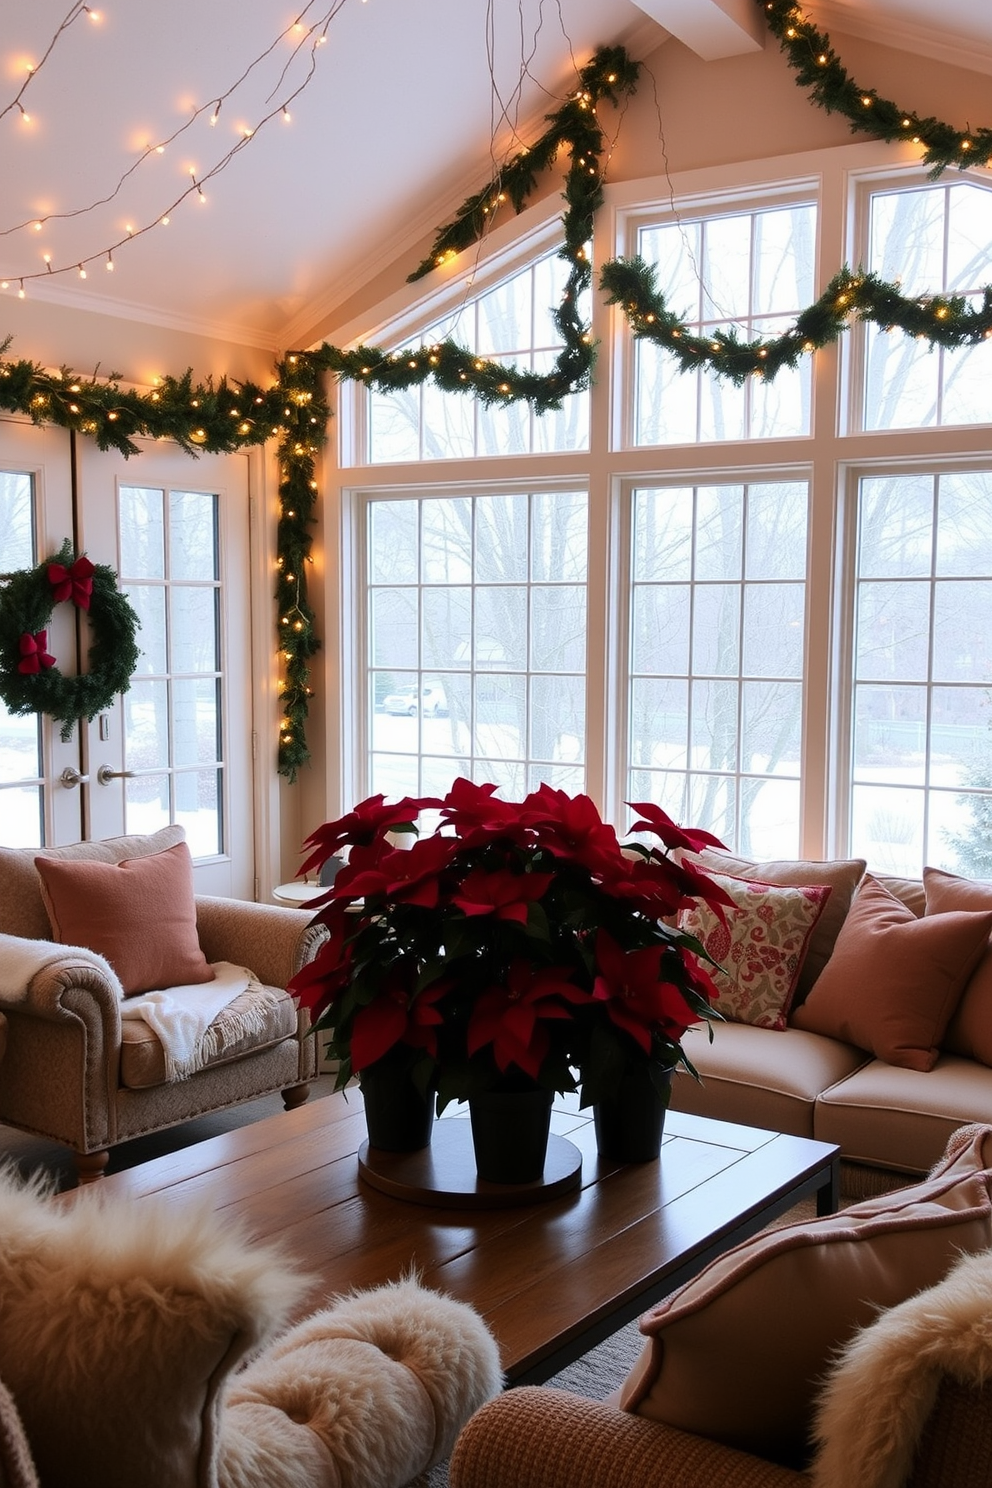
x,y
510,323
716,657
766,607
931,239
477,641
922,768
750,272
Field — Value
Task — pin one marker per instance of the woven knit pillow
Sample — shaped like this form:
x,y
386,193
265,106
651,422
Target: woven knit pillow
x,y
759,945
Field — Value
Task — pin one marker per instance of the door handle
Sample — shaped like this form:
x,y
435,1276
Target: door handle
x,y
105,775
70,778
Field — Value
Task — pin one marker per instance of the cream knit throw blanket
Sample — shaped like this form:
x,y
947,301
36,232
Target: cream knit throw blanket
x,y
182,1018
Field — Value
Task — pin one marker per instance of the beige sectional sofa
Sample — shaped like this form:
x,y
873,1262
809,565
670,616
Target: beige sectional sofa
x,y
889,1120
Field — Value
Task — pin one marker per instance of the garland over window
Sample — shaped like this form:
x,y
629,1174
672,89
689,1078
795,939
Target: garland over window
x,y
229,417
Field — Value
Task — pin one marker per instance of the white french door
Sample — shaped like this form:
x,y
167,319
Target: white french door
x,y
176,747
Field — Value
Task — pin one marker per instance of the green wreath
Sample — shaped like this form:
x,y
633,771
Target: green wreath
x,y
30,681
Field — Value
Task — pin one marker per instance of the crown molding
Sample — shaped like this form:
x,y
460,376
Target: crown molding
x,y
906,36
189,325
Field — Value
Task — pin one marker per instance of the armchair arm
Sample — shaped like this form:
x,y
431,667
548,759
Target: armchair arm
x,y
542,1438
272,941
38,975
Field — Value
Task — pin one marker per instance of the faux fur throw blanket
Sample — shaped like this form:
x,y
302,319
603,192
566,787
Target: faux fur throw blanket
x,y
21,960
183,1018
879,1395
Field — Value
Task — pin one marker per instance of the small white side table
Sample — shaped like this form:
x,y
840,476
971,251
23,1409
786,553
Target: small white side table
x,y
298,894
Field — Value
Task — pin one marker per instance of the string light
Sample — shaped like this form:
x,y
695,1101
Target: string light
x,y
247,132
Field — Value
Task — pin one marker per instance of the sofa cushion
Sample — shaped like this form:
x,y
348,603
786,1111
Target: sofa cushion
x,y
969,1032
902,1119
139,913
22,909
747,1077
842,875
759,945
737,1354
893,980
250,1023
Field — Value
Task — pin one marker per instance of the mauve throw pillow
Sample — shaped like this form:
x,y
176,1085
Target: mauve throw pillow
x,y
759,945
893,981
140,914
969,1032
738,1353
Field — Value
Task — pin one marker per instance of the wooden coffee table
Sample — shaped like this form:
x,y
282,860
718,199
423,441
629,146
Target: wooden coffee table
x,y
552,1278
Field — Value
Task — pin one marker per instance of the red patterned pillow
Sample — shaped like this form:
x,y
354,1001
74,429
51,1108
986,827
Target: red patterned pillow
x,y
759,946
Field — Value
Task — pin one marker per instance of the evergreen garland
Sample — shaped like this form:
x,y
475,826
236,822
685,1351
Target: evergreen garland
x,y
27,599
831,87
941,320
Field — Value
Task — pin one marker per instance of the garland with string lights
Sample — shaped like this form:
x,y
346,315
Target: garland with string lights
x,y
218,418
451,367
820,70
942,320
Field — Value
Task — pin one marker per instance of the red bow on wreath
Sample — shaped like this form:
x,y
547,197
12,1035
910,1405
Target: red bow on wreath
x,y
34,652
75,583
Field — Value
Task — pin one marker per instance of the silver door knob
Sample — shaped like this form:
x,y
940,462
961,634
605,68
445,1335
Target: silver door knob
x,y
70,778
105,775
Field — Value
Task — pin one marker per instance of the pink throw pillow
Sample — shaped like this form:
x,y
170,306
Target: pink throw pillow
x,y
893,981
140,914
969,1032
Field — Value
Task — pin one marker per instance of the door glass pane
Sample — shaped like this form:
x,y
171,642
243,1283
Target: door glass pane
x,y
21,790
173,712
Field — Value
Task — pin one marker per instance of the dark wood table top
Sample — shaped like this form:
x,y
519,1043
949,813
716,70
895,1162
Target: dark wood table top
x,y
551,1278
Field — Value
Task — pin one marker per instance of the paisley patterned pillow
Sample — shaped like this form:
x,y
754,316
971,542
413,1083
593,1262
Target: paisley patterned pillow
x,y
759,946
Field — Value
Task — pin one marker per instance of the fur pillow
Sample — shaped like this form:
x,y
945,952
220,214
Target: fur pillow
x,y
378,1385
123,1322
873,1411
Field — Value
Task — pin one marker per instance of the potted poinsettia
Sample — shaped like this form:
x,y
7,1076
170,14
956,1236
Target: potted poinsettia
x,y
514,947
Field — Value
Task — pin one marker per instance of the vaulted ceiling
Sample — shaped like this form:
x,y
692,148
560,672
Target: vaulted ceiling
x,y
277,213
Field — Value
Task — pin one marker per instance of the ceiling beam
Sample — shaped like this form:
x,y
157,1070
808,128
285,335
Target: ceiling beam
x,y
710,28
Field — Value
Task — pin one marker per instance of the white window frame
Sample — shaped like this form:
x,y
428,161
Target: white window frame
x,y
833,457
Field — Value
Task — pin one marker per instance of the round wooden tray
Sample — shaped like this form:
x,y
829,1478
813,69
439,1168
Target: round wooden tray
x,y
443,1175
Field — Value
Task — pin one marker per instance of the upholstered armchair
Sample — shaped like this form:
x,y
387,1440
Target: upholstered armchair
x,y
89,1064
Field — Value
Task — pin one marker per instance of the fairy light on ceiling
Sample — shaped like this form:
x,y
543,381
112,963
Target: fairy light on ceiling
x,y
305,32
